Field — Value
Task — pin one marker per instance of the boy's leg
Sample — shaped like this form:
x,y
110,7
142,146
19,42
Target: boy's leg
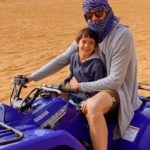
x,y
97,106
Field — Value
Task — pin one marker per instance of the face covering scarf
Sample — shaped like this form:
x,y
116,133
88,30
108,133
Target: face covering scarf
x,y
102,27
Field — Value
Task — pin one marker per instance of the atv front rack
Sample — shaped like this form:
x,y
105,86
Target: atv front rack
x,y
8,130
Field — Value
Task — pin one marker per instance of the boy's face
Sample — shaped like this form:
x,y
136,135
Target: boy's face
x,y
86,46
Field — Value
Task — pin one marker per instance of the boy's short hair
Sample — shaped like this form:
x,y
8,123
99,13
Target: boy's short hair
x,y
86,32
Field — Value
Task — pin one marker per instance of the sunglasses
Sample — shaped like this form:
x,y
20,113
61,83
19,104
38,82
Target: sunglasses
x,y
97,13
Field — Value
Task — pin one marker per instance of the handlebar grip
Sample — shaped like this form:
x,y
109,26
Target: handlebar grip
x,y
20,79
67,90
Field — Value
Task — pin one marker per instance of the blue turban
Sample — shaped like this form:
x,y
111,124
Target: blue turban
x,y
102,27
94,4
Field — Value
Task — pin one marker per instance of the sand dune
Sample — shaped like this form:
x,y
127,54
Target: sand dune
x,y
32,32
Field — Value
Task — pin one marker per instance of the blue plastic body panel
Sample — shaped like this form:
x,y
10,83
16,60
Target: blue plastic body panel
x,y
53,122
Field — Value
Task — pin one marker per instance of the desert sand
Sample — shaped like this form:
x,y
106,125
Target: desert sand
x,y
32,32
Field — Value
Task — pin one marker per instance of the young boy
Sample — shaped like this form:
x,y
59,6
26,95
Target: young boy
x,y
86,65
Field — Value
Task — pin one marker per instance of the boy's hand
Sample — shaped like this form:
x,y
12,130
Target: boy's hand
x,y
84,107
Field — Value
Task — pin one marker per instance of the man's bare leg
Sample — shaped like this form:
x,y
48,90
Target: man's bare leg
x,y
97,106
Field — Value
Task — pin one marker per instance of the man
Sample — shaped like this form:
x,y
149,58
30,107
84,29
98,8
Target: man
x,y
119,87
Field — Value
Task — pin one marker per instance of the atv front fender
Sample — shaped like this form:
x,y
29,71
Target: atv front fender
x,y
45,139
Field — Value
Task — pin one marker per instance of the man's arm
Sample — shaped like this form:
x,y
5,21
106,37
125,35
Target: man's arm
x,y
54,65
122,52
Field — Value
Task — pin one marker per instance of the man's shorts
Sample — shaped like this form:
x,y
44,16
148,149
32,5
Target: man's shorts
x,y
115,98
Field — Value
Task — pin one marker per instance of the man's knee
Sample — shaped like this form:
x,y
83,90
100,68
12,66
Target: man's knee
x,y
94,110
101,102
93,117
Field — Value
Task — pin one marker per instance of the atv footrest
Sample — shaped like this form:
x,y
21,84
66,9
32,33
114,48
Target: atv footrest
x,y
8,129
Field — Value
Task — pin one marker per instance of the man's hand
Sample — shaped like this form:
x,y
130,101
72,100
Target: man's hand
x,y
20,79
29,78
67,85
74,84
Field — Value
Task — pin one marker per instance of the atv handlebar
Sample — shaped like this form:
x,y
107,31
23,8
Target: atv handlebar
x,y
60,88
20,79
20,82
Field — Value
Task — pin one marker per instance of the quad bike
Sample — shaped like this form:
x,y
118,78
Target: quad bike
x,y
44,120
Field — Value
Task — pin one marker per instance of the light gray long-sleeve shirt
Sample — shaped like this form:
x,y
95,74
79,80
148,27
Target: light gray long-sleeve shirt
x,y
121,64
